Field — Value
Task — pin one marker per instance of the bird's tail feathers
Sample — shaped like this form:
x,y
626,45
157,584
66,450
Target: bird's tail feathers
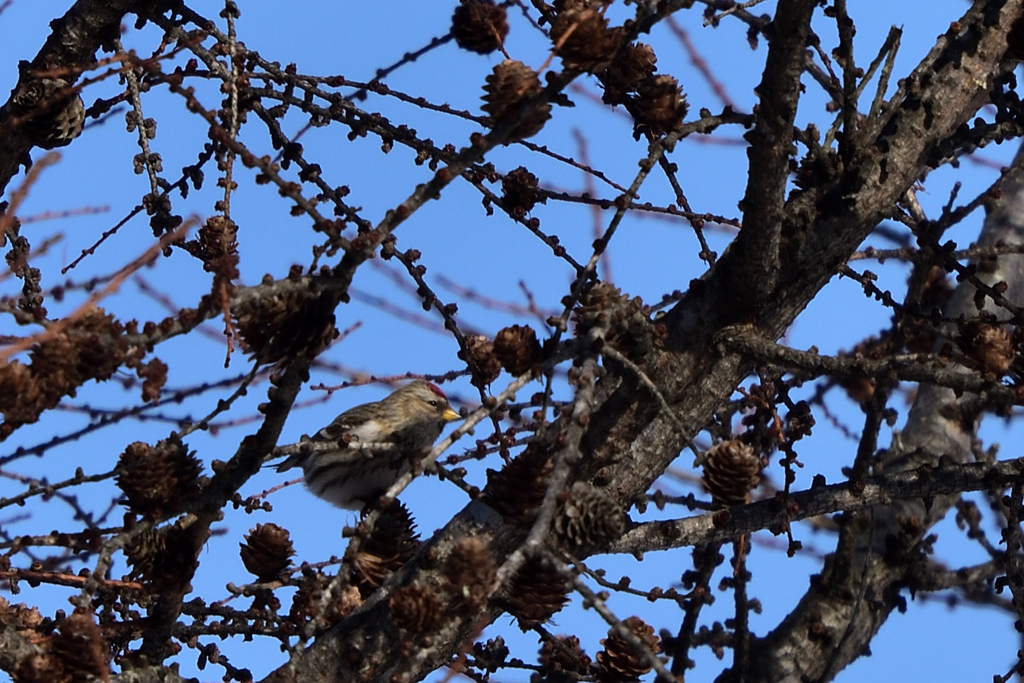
x,y
293,460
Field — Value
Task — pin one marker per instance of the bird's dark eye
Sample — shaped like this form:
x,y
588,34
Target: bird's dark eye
x,y
433,403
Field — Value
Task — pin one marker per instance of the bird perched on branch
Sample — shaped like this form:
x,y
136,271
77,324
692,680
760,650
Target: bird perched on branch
x,y
376,443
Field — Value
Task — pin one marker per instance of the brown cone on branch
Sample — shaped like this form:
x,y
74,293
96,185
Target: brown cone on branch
x,y
267,551
306,604
158,480
595,304
519,191
562,656
620,320
40,667
390,544
987,344
507,86
517,490
588,519
81,649
20,617
659,106
518,349
216,246
479,26
483,364
291,324
70,358
583,39
144,555
621,662
731,471
470,570
22,394
161,557
631,66
52,113
416,609
536,594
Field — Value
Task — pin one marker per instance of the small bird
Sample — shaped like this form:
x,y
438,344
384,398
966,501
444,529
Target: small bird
x,y
410,418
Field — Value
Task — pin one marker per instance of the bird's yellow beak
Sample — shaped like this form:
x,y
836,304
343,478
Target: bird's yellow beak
x,y
450,415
